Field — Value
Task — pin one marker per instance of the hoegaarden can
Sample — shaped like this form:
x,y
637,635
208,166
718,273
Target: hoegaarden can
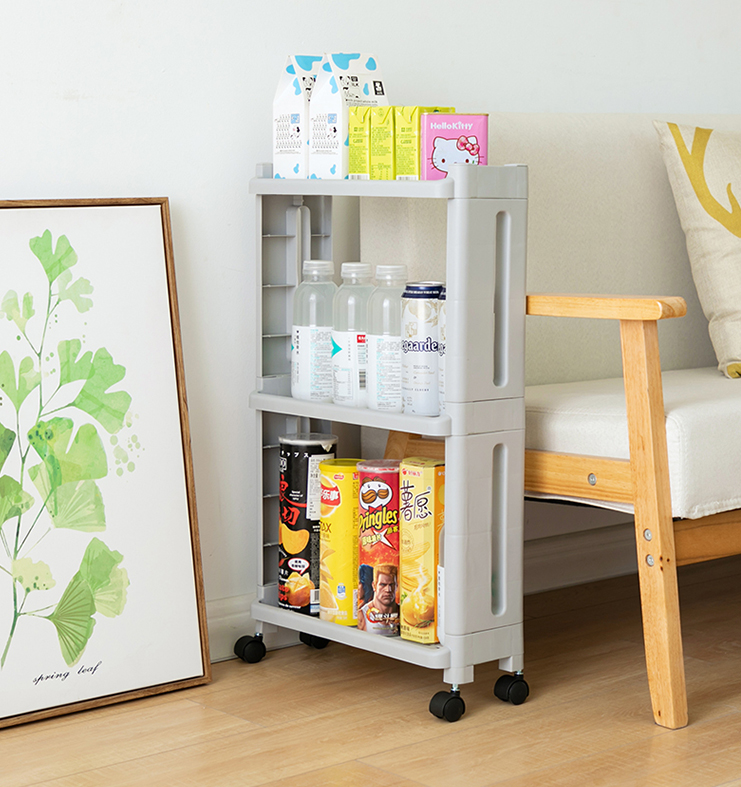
x,y
420,307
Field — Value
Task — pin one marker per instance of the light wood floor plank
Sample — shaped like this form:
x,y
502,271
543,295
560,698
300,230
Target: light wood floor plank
x,y
112,738
340,717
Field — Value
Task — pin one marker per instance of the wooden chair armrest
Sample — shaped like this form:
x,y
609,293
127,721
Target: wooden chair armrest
x,y
605,307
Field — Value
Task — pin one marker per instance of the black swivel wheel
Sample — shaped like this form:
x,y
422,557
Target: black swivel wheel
x,y
512,688
250,649
447,705
318,643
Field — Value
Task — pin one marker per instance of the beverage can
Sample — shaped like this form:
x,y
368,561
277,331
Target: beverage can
x,y
338,572
378,547
419,348
442,327
298,528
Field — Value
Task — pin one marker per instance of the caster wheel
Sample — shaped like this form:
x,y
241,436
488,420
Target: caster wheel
x,y
250,649
512,688
447,705
319,643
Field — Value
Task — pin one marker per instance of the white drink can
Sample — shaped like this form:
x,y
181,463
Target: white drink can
x,y
441,343
420,305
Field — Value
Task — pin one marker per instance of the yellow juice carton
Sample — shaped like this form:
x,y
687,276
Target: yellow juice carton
x,y
407,139
382,143
421,519
359,127
338,552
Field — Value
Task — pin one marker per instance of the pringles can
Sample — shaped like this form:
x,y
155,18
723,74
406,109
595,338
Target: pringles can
x,y
378,547
338,556
420,305
300,508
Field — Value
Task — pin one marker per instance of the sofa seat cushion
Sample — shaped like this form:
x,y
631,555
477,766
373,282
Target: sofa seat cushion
x,y
703,428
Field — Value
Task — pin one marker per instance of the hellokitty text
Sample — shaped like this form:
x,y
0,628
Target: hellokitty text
x,y
448,138
464,150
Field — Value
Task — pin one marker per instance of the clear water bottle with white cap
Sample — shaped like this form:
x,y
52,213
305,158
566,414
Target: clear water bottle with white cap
x,y
348,337
384,339
311,335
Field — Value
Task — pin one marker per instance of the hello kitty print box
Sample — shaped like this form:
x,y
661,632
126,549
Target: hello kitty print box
x,y
452,139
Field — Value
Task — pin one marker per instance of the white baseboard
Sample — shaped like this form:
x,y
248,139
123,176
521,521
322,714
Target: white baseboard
x,y
230,618
575,558
559,561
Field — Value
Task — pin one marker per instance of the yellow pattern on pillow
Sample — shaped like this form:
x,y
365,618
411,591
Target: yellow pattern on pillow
x,y
694,162
703,165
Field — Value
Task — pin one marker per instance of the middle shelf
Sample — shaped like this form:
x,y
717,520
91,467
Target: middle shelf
x,y
437,426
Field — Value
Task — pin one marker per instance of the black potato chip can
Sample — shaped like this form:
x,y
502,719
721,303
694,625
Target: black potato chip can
x,y
300,506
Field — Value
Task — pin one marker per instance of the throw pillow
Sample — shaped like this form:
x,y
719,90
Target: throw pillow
x,y
704,168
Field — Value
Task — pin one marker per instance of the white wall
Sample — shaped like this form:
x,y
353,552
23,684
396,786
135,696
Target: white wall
x,y
172,97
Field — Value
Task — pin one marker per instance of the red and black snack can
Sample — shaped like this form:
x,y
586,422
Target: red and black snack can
x,y
300,504
378,547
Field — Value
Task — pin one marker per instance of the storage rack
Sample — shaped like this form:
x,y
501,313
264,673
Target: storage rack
x,y
483,425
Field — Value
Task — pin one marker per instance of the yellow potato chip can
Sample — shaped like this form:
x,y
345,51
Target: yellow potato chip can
x,y
338,554
421,519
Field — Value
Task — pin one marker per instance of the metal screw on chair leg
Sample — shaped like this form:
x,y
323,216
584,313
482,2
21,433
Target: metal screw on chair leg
x,y
650,560
647,534
592,478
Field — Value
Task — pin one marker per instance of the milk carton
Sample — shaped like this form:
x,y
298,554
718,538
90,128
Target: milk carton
x,y
291,116
344,80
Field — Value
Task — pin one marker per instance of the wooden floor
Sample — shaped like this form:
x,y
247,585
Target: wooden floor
x,y
341,718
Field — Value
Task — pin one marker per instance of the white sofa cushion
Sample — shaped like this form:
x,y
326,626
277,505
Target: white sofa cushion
x,y
703,414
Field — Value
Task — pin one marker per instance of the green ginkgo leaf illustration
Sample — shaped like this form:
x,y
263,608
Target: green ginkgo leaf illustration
x,y
77,505
108,409
54,262
7,441
70,369
110,599
11,309
99,568
73,457
32,576
75,292
14,501
17,389
73,619
84,460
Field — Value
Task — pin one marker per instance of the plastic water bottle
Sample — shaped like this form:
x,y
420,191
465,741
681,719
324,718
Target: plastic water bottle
x,y
384,339
311,335
348,337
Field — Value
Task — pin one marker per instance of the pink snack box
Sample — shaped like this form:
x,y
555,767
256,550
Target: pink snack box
x,y
452,139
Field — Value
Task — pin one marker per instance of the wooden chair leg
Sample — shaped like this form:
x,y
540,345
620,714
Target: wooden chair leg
x,y
657,568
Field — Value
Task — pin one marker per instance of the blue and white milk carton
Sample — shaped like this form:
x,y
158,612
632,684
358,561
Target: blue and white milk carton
x,y
291,116
343,81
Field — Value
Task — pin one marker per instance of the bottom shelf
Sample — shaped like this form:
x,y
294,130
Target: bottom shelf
x,y
430,656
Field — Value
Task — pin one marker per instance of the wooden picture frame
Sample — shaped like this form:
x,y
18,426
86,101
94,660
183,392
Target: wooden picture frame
x,y
101,588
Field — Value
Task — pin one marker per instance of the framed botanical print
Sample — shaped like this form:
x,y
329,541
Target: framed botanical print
x,y
101,593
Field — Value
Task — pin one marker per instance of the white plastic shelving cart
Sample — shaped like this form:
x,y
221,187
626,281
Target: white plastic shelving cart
x,y
483,427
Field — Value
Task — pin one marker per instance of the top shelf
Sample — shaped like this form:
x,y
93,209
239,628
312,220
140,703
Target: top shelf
x,y
464,182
